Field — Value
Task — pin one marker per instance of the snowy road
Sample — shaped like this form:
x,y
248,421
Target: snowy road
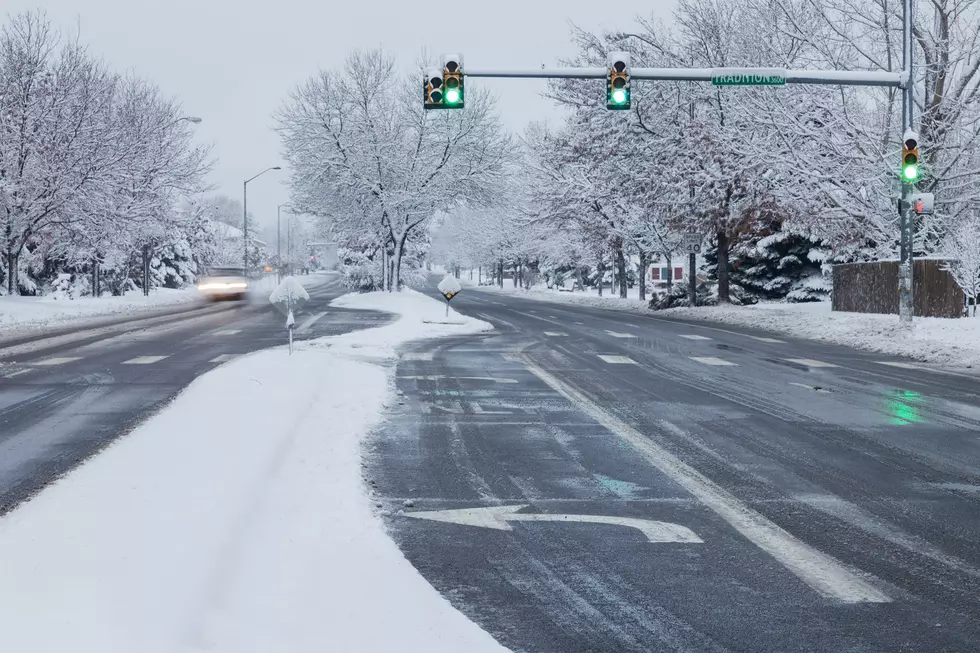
x,y
835,494
61,403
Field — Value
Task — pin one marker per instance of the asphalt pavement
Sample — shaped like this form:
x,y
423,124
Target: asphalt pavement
x,y
66,397
589,480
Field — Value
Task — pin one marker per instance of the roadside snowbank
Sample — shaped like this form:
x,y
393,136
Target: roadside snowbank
x,y
38,312
588,297
236,519
954,343
22,315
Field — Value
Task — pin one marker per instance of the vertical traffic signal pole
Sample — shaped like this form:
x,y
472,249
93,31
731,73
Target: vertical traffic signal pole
x,y
908,173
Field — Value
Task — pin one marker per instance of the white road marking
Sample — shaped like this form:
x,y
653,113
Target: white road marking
x,y
224,358
620,335
555,334
617,360
772,340
417,356
227,332
809,362
497,517
145,360
822,572
696,337
17,373
710,360
436,377
580,323
59,361
904,366
305,326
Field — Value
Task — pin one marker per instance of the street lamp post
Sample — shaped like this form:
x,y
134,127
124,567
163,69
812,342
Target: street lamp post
x,y
245,215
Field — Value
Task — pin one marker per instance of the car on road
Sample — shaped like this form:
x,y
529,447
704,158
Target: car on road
x,y
224,283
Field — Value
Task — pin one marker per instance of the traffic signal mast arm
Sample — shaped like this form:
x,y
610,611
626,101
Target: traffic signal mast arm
x,y
835,77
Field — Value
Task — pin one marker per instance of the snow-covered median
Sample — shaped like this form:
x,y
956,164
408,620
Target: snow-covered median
x,y
236,519
948,342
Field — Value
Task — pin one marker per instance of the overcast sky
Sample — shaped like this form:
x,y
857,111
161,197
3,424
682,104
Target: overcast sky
x,y
232,62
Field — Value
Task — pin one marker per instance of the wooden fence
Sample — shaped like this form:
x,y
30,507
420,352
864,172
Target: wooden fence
x,y
873,288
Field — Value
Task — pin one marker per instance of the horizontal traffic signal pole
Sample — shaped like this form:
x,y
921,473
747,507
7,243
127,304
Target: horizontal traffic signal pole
x,y
714,75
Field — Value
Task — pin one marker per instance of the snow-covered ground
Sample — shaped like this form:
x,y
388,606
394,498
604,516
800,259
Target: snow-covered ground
x,y
47,311
950,343
236,520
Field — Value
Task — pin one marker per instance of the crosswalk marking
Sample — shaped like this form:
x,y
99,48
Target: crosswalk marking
x,y
59,361
144,360
809,362
617,360
620,335
227,332
695,337
772,340
417,356
709,360
555,334
904,366
223,358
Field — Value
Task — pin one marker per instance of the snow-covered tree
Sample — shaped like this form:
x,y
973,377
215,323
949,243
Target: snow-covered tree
x,y
361,146
962,246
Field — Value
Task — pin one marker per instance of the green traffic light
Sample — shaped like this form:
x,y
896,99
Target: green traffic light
x,y
911,172
452,96
619,96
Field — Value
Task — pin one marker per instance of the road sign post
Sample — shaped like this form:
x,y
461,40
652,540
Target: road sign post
x,y
288,297
449,287
691,243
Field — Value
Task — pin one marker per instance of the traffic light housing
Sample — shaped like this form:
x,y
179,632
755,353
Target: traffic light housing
x,y
432,89
618,82
910,157
452,80
443,88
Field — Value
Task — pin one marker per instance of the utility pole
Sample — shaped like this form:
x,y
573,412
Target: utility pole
x,y
906,304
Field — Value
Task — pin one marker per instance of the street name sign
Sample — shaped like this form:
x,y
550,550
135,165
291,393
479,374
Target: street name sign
x,y
748,76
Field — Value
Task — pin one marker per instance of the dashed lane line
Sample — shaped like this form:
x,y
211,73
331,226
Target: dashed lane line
x,y
809,362
617,360
710,360
620,335
145,360
227,332
555,334
308,323
58,361
689,337
903,366
436,377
